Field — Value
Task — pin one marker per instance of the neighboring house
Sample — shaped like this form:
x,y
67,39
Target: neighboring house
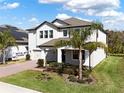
x,y
21,49
43,37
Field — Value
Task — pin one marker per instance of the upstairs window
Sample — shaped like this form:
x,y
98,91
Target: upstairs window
x,y
41,34
51,33
65,33
46,34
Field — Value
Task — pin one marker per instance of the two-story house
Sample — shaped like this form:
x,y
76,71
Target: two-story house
x,y
43,37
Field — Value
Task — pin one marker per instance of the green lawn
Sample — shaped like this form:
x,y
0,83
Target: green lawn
x,y
109,75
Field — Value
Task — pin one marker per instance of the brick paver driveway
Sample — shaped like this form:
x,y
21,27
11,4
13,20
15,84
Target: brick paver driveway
x,y
15,68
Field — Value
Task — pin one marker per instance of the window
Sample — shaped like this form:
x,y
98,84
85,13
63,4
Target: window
x,y
76,54
51,33
46,34
41,34
64,32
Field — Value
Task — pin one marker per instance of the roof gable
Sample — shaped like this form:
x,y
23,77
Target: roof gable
x,y
60,21
45,22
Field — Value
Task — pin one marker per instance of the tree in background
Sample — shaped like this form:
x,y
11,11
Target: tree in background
x,y
115,41
6,40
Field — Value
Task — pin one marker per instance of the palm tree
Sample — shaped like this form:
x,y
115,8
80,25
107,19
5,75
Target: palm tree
x,y
77,40
97,26
6,39
92,46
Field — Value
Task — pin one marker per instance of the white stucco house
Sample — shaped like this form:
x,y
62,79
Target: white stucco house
x,y
43,37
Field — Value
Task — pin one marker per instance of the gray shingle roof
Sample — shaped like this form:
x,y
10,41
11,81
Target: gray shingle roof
x,y
77,22
51,43
71,22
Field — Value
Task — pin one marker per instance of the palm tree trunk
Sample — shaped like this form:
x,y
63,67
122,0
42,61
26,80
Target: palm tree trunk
x,y
4,59
80,64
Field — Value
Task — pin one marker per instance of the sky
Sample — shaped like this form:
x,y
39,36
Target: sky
x,y
26,14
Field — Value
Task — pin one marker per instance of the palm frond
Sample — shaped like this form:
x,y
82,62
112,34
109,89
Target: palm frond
x,y
62,43
91,46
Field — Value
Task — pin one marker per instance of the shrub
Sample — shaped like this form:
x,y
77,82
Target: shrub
x,y
80,81
72,78
60,68
118,55
43,76
53,64
27,57
68,71
86,73
40,62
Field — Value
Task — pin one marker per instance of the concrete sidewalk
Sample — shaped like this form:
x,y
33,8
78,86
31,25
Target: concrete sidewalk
x,y
8,88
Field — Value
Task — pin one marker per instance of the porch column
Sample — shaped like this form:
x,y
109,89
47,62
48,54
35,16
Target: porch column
x,y
45,54
59,55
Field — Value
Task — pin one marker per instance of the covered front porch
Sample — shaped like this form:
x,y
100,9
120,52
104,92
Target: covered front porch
x,y
64,55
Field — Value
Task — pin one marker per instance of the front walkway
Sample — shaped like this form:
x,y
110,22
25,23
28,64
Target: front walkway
x,y
8,88
16,68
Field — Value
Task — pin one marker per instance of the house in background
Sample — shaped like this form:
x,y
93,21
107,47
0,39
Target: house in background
x,y
19,51
43,37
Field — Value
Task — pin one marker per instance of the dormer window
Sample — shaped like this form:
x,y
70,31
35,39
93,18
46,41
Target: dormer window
x,y
46,34
65,33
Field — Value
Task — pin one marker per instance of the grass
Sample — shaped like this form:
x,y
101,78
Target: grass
x,y
109,75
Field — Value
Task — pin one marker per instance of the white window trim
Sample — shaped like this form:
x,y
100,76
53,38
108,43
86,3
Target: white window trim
x,y
63,32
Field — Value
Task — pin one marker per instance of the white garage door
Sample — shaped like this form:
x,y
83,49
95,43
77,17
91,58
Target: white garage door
x,y
36,54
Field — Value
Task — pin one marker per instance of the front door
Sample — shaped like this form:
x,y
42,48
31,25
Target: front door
x,y
63,56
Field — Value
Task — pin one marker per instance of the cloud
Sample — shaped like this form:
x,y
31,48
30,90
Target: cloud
x,y
92,7
115,22
33,19
63,16
52,1
105,10
10,5
20,23
89,7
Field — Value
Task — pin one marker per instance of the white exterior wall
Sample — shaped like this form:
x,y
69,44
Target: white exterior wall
x,y
32,45
31,40
16,52
102,37
56,34
98,55
92,38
